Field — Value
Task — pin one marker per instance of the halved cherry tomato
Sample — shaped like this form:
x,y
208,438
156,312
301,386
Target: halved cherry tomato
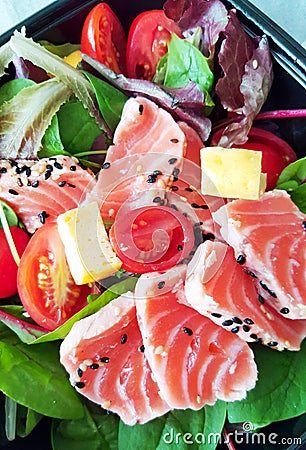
x,y
8,266
276,153
103,38
150,239
148,37
45,285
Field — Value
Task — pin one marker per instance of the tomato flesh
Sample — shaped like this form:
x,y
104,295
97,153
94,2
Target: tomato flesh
x,y
147,42
8,266
151,239
103,38
276,153
45,285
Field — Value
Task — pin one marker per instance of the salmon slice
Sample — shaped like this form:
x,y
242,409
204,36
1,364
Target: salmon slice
x,y
38,191
219,288
269,234
194,361
103,354
147,151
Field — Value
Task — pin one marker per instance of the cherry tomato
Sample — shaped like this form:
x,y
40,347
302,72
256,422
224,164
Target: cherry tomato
x,y
276,153
45,285
8,266
150,239
147,42
103,38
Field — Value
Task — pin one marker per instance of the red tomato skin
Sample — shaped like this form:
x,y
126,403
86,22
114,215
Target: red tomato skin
x,y
45,284
103,38
276,153
147,42
8,266
132,239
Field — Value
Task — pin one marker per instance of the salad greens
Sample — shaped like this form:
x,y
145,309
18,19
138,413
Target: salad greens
x,y
64,115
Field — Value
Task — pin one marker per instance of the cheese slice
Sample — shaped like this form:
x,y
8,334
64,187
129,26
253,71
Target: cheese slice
x,y
232,173
88,251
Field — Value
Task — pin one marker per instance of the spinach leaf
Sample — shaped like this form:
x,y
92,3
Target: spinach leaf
x,y
280,392
184,63
9,89
298,196
34,377
51,142
10,215
91,308
110,100
27,419
183,429
95,431
77,128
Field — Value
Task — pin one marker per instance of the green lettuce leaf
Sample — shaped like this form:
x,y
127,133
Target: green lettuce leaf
x,y
280,392
293,180
184,63
34,377
25,118
9,89
73,78
6,55
60,50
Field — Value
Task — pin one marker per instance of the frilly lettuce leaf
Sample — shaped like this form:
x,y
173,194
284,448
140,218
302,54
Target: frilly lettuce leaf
x,y
25,118
51,63
6,55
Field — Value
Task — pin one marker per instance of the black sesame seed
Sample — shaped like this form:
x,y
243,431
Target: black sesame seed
x,y
157,172
52,159
237,320
252,274
18,170
73,168
80,372
3,170
43,216
188,331
261,299
174,141
156,200
49,167
57,165
263,285
140,110
195,205
304,225
246,328
176,172
254,336
13,163
94,366
227,323
272,344
284,311
151,178
174,207
185,214
161,284
248,321
188,189
27,170
13,192
180,247
123,338
35,184
216,315
235,330
73,186
172,160
241,259
106,165
47,174
141,348
19,182
104,359
207,237
62,183
203,206
174,188
162,202
80,384
272,293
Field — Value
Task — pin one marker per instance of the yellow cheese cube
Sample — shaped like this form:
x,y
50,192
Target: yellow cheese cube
x,y
88,251
232,173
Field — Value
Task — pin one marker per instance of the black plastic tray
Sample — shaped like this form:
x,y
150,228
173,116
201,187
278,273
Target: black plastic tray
x,y
62,22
